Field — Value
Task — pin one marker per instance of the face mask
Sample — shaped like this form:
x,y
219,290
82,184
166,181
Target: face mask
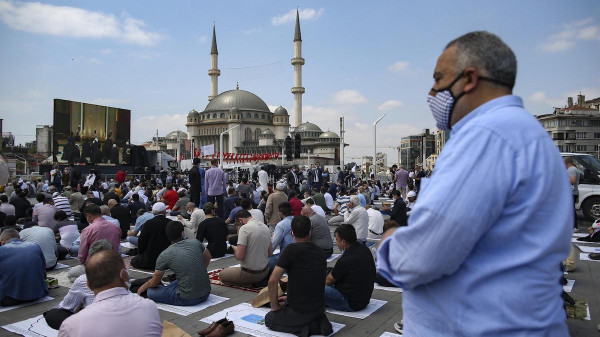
x,y
443,102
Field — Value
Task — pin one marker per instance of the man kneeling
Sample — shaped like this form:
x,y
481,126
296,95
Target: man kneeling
x,y
304,311
188,259
350,284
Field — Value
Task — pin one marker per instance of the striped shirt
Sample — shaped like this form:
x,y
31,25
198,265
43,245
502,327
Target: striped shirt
x,y
343,201
62,204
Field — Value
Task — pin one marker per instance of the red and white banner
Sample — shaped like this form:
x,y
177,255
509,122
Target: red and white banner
x,y
238,157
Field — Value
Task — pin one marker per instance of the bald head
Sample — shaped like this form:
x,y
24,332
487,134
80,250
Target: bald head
x,y
112,202
104,270
307,210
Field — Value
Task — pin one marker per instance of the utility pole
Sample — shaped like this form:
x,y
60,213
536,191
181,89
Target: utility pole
x,y
342,145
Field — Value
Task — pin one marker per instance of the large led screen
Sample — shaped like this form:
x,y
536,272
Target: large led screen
x,y
90,134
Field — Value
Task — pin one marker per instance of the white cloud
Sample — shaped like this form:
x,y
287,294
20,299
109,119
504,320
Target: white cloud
x,y
556,46
390,105
94,60
399,66
203,39
272,107
106,51
67,21
571,32
252,31
144,128
348,96
541,97
305,14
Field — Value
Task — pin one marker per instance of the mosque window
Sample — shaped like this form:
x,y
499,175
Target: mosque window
x,y
247,134
257,133
222,116
262,116
248,116
214,116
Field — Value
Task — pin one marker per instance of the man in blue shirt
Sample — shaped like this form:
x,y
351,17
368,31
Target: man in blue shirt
x,y
499,203
22,270
282,235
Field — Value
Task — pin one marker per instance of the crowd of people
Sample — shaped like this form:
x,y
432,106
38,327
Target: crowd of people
x,y
493,221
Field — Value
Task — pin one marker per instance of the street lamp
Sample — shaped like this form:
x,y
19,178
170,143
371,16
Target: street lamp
x,y
221,145
375,144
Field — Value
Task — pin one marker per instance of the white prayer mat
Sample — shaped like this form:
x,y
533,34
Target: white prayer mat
x,y
569,286
188,310
61,266
141,271
251,321
584,257
33,327
333,257
41,300
128,245
362,314
588,249
222,257
396,289
588,318
574,240
579,235
389,334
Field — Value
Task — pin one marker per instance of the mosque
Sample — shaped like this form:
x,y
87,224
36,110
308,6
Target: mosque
x,y
257,129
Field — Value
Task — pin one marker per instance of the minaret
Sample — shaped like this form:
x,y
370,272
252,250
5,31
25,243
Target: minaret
x,y
214,71
297,62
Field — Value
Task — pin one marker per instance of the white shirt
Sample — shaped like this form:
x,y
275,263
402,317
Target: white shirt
x,y
89,181
319,210
196,218
43,237
263,178
359,218
328,200
375,224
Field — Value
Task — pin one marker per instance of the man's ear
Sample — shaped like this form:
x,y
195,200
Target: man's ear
x,y
471,78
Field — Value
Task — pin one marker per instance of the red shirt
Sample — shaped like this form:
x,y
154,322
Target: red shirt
x,y
121,175
171,198
296,206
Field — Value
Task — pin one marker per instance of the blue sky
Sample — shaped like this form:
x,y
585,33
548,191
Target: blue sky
x,y
363,58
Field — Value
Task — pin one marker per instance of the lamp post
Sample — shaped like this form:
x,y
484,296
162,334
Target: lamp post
x,y
221,145
375,144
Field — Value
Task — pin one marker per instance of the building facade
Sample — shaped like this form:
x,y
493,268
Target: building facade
x,y
575,127
255,129
414,150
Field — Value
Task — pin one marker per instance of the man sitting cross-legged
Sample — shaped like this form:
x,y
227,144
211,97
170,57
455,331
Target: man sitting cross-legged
x,y
214,230
188,259
22,270
350,284
152,240
319,233
115,311
303,311
79,296
252,250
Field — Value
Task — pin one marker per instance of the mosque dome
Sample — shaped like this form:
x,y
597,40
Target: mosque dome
x,y
193,113
280,111
234,110
173,135
329,134
267,133
307,127
242,99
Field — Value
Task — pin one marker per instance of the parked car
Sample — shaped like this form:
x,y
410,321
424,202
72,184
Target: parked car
x,y
589,184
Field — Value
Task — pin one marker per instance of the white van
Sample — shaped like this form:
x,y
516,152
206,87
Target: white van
x,y
589,184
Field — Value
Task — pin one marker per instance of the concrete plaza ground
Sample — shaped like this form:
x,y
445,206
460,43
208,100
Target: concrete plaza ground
x,y
586,276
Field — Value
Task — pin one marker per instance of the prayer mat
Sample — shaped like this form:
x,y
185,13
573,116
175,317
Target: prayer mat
x,y
33,327
222,257
395,289
585,257
191,309
588,249
172,330
569,286
213,275
41,300
361,314
61,266
63,278
251,321
333,257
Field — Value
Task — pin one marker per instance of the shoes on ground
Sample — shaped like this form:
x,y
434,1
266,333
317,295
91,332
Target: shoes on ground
x,y
399,326
222,327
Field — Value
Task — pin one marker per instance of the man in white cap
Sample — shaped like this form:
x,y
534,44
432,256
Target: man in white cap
x,y
153,239
272,208
411,198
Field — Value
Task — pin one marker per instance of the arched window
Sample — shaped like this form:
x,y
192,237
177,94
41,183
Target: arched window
x,y
257,133
247,134
248,115
222,115
214,115
262,116
256,116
